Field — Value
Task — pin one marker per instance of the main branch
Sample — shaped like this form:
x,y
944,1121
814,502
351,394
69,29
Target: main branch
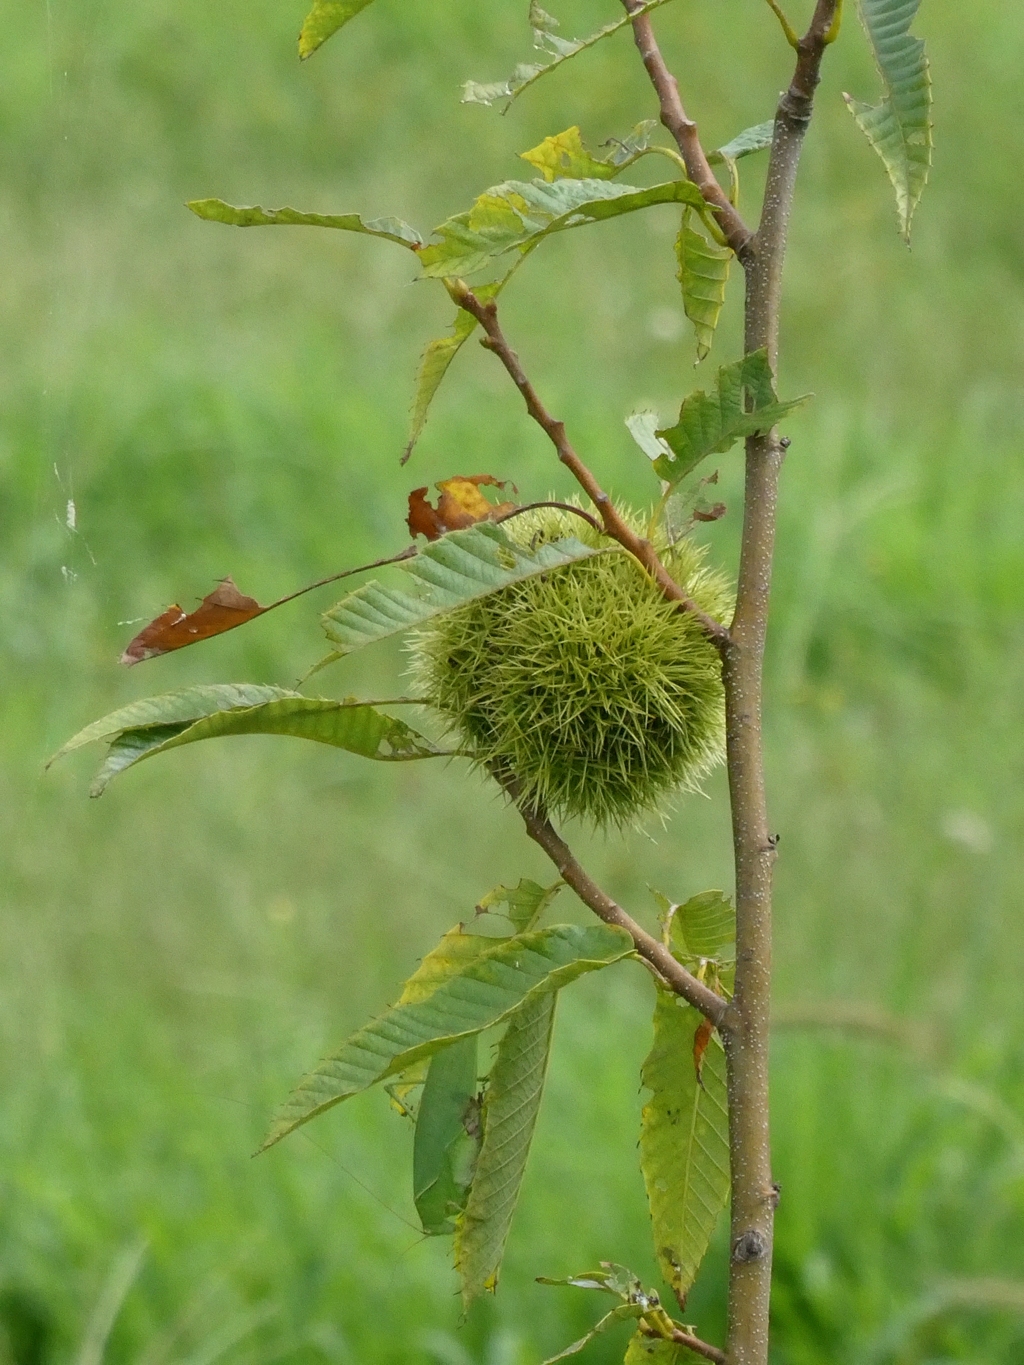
x,y
745,1029
614,525
745,1025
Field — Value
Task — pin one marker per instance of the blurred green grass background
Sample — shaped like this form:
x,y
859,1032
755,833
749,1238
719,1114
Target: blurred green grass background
x,y
215,402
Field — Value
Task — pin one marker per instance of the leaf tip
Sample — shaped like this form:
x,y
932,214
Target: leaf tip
x,y
202,208
275,1133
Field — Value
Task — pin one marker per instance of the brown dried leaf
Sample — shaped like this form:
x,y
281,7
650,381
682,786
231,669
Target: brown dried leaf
x,y
461,504
700,1045
221,610
702,512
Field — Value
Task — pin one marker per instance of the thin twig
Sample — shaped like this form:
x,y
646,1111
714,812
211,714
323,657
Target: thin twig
x,y
684,130
409,552
700,1348
561,506
615,526
672,972
694,1344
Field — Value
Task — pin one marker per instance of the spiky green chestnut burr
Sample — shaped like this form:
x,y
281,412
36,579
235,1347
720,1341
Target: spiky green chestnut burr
x,y
601,697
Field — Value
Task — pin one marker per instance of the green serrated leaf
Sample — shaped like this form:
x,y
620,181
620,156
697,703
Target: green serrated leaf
x,y
601,1280
526,902
755,139
610,1279
392,229
324,19
516,215
437,357
510,1113
446,574
703,274
619,1279
469,983
180,718
625,1312
684,1141
447,1137
131,748
172,708
711,423
558,49
900,126
703,927
645,1350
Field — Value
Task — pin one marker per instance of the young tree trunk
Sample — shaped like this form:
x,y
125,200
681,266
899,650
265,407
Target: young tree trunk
x,y
746,1027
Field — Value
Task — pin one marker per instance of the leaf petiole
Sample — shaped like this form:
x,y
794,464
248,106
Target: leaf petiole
x,y
791,35
832,32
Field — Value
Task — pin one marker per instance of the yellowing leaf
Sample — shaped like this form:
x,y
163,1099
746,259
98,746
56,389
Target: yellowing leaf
x,y
701,1039
461,504
645,1350
402,1089
324,19
563,156
456,952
